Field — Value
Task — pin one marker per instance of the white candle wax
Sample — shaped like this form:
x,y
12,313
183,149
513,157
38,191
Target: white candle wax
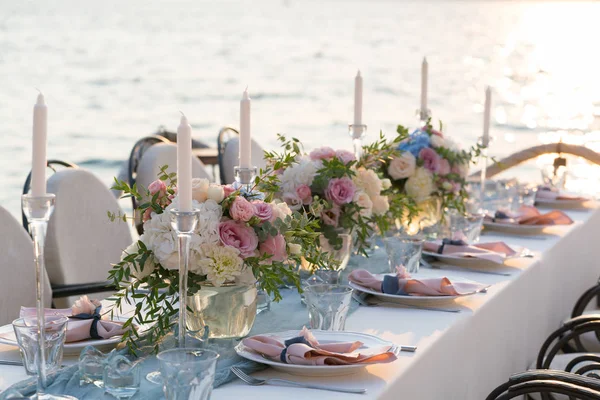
x,y
358,99
245,141
424,72
38,164
486,117
184,165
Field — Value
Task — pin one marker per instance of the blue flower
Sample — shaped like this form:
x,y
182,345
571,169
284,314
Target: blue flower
x,y
416,142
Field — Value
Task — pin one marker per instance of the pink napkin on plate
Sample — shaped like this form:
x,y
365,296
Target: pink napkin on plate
x,y
403,284
528,215
84,320
495,252
306,350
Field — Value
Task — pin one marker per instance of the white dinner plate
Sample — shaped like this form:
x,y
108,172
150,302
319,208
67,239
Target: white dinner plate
x,y
7,336
468,262
410,300
562,204
516,228
369,342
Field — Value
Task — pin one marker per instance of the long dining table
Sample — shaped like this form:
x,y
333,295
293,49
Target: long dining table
x,y
460,355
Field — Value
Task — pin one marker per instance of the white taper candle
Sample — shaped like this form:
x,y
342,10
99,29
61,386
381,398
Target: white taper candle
x,y
40,132
184,164
358,99
424,72
245,140
486,117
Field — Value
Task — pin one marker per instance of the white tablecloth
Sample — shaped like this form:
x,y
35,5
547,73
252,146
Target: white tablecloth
x,y
460,355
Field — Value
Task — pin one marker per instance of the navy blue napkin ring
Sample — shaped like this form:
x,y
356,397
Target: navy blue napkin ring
x,y
288,343
450,242
94,327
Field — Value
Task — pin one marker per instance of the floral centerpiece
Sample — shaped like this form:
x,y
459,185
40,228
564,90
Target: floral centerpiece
x,y
329,186
242,237
430,166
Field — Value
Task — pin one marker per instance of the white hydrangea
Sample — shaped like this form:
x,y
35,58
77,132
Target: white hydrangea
x,y
302,173
220,263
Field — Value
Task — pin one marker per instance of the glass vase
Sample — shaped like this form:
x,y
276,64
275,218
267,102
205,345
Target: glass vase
x,y
224,312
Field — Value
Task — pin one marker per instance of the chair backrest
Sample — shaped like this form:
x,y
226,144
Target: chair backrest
x,y
82,242
547,383
230,158
163,154
17,269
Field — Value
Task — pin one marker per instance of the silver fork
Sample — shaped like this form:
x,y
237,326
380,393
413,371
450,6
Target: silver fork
x,y
259,382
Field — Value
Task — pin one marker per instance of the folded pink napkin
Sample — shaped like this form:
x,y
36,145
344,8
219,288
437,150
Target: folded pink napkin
x,y
545,194
528,215
495,252
306,350
85,321
403,284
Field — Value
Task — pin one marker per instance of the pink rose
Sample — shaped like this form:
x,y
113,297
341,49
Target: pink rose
x,y
262,210
431,159
292,200
345,156
239,236
322,153
340,190
456,186
331,216
227,190
275,247
147,214
85,306
444,167
157,186
304,193
241,209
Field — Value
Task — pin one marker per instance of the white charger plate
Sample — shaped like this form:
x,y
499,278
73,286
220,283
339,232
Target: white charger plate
x,y
410,300
369,342
516,228
7,336
562,204
472,262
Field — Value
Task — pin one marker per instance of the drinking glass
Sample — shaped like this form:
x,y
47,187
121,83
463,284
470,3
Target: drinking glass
x,y
465,227
121,377
91,366
187,373
405,251
26,331
526,196
328,306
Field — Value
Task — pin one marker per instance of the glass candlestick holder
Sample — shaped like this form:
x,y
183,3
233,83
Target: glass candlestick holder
x,y
38,210
244,177
424,116
357,133
184,223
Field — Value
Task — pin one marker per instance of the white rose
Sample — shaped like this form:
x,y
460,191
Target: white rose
x,y
403,166
420,185
367,180
294,248
380,205
200,189
386,184
280,210
215,192
437,141
364,201
447,186
149,265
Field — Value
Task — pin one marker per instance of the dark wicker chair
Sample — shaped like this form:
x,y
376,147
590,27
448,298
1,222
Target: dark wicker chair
x,y
225,134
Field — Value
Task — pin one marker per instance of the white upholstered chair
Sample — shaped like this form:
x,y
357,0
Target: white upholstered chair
x,y
82,242
230,158
163,154
17,268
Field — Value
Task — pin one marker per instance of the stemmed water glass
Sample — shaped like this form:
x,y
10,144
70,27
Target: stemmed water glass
x,y
38,209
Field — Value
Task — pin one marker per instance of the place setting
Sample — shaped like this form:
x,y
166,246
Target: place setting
x,y
552,197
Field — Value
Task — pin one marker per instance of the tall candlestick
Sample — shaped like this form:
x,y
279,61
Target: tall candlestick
x,y
424,72
184,165
38,164
245,141
486,117
358,99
